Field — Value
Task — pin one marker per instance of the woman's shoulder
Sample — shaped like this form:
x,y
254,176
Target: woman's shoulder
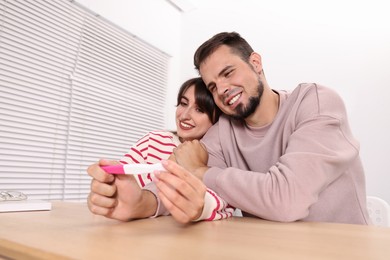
x,y
160,134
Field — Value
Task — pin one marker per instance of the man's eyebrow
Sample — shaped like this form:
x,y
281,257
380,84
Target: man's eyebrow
x,y
223,71
220,74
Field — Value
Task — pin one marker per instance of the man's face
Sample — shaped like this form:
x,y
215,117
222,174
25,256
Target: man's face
x,y
235,84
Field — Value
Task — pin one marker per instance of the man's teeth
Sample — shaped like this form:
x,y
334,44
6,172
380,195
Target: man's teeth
x,y
234,99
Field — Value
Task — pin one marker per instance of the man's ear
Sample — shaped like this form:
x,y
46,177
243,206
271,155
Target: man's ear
x,y
255,60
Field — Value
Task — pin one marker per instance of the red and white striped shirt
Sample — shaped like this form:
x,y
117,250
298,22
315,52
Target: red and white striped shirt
x,y
157,146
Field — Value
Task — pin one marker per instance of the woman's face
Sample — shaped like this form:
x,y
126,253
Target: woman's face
x,y
191,122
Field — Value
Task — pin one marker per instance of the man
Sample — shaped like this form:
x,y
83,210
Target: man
x,y
277,155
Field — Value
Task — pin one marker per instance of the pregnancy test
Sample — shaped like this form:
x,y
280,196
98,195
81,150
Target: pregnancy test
x,y
132,168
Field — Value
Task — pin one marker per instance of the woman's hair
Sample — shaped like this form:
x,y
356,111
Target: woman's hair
x,y
203,98
233,40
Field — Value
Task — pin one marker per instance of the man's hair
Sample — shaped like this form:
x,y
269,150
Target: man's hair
x,y
237,44
203,98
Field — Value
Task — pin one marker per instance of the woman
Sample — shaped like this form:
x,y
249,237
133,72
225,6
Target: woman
x,y
120,197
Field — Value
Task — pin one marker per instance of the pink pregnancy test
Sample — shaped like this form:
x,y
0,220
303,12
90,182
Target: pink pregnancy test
x,y
133,168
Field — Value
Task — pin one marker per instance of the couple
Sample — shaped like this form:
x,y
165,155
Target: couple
x,y
276,155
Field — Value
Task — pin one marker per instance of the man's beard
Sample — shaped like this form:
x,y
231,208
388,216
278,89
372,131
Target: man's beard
x,y
242,111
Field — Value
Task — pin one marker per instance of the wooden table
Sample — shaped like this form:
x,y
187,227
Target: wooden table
x,y
70,231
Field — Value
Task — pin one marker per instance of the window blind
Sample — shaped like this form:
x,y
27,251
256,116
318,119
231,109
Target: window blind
x,y
73,88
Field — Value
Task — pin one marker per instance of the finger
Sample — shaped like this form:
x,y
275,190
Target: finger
x,y
180,195
178,214
190,188
172,157
103,162
185,175
174,182
96,172
107,177
103,189
100,210
175,169
92,171
100,205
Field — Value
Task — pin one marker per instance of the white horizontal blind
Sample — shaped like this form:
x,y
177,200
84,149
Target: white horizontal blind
x,y
73,88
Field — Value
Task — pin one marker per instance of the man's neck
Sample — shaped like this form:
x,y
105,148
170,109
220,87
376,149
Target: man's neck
x,y
267,109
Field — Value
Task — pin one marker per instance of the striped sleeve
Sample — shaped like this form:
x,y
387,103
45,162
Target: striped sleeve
x,y
151,148
215,208
157,146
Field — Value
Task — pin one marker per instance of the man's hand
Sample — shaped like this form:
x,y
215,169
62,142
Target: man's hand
x,y
118,196
193,156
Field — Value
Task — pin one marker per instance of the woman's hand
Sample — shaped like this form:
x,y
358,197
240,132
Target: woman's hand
x,y
180,191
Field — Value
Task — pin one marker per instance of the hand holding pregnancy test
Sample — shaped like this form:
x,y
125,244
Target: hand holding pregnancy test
x,y
133,168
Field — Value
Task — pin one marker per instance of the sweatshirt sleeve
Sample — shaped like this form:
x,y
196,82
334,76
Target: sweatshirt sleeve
x,y
138,154
151,148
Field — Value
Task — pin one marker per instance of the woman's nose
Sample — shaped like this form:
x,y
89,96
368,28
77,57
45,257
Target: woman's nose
x,y
186,114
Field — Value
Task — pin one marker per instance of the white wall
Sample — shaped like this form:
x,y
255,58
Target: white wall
x,y
343,44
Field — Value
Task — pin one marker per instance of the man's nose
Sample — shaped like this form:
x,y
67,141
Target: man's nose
x,y
222,87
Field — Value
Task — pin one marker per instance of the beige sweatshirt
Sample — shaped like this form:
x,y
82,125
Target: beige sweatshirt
x,y
304,166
